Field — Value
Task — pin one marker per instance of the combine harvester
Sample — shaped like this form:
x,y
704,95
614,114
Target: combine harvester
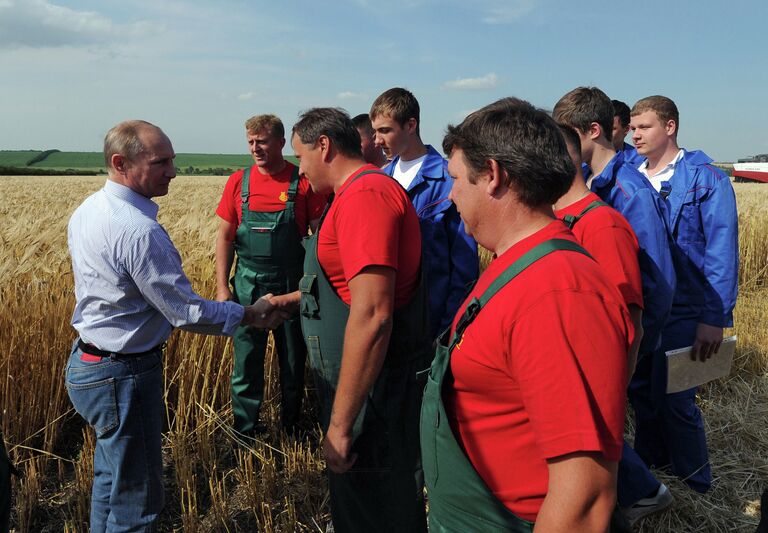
x,y
751,169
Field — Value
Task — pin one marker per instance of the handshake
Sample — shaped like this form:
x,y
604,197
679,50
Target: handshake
x,y
270,311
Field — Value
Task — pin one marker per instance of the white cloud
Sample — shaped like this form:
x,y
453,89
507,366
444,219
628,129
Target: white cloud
x,y
393,6
42,24
508,11
489,81
349,95
489,11
246,96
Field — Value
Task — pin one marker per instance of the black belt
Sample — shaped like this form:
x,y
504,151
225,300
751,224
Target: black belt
x,y
91,349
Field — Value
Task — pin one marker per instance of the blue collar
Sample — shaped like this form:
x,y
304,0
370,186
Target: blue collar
x,y
608,173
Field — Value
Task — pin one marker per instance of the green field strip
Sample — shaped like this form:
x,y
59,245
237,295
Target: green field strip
x,y
85,160
95,160
16,158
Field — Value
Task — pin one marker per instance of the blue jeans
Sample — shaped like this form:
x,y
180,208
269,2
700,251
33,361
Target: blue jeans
x,y
122,400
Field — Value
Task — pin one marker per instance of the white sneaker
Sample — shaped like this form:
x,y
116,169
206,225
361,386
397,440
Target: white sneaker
x,y
646,506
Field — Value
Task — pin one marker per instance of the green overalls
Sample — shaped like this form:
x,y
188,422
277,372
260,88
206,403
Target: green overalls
x,y
269,259
384,489
459,499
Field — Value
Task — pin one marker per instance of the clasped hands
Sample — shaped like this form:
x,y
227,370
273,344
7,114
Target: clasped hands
x,y
270,311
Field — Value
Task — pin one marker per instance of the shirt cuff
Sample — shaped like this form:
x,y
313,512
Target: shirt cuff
x,y
235,314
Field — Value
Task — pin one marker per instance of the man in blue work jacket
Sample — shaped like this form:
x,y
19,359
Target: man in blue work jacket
x,y
620,130
450,255
704,225
590,112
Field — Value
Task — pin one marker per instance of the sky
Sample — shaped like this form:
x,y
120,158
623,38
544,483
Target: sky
x,y
70,70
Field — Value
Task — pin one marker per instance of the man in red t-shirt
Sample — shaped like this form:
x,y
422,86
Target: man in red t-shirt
x,y
364,316
265,212
607,236
536,393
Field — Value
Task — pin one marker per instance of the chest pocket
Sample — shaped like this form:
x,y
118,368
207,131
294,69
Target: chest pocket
x,y
689,227
260,237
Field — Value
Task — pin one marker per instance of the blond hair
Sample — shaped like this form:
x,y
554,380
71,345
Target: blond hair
x,y
258,123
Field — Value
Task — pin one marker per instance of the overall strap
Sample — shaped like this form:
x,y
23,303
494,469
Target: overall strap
x,y
338,193
523,262
294,186
245,187
325,211
571,220
363,173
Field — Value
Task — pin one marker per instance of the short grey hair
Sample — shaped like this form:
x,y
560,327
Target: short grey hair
x,y
124,139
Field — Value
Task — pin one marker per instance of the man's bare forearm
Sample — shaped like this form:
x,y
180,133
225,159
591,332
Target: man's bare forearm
x,y
581,494
225,256
366,339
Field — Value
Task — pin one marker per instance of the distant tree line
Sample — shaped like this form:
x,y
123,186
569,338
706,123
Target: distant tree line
x,y
207,171
41,156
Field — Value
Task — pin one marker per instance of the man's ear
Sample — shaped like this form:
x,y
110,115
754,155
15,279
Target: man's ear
x,y
282,143
497,177
411,125
671,127
118,162
323,144
595,131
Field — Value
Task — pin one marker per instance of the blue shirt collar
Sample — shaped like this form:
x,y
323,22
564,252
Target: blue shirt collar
x,y
131,197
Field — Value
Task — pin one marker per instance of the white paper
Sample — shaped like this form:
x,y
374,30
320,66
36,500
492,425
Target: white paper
x,y
683,373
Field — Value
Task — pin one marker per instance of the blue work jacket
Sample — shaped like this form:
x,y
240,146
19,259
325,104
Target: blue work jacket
x,y
625,189
631,157
704,225
450,255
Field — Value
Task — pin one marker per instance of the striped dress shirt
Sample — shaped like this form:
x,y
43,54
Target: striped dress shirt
x,y
130,288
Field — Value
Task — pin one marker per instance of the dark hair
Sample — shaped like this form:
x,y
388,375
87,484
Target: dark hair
x,y
334,123
524,141
583,106
621,110
664,108
398,103
363,122
570,137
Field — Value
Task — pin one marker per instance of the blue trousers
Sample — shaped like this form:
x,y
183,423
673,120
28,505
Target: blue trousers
x,y
635,480
121,398
669,428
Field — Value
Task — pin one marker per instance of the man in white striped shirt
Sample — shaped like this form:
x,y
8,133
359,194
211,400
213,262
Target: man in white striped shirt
x,y
131,291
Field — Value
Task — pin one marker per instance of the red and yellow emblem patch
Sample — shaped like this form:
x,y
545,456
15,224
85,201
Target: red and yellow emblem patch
x,y
283,196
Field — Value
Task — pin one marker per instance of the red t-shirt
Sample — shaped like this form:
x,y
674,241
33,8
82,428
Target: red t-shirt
x,y
268,193
541,372
609,238
371,222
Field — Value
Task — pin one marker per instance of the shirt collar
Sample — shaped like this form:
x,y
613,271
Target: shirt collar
x,y
670,166
131,197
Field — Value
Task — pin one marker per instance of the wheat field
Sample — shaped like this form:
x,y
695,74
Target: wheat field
x,y
212,482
